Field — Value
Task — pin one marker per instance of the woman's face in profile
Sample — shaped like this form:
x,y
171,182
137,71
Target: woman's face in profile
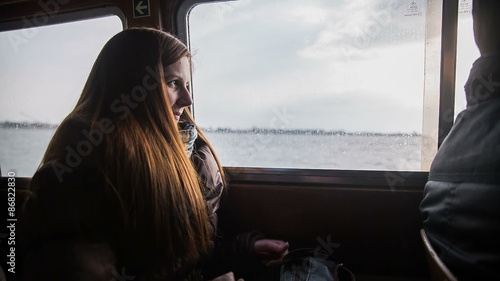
x,y
177,78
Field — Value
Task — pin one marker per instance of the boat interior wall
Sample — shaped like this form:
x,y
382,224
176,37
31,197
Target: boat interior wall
x,y
376,230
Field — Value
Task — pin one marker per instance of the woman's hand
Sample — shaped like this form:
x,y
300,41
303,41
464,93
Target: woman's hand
x,y
270,251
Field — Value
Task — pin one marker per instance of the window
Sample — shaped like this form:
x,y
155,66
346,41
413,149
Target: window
x,y
311,84
43,71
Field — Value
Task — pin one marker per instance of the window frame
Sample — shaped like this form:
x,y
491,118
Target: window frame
x,y
449,35
444,100
67,17
332,177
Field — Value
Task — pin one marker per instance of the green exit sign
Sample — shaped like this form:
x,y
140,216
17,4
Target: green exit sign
x,y
140,8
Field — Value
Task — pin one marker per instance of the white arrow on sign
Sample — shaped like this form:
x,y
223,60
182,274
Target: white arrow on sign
x,y
140,7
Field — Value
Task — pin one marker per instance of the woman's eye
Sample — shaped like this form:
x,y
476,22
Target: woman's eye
x,y
172,83
176,84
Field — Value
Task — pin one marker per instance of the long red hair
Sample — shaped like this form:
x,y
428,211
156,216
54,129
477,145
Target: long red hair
x,y
141,155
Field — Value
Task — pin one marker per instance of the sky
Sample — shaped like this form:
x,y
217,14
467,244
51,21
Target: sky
x,y
356,66
320,64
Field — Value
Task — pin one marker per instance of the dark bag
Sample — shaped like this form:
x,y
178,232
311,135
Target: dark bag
x,y
313,265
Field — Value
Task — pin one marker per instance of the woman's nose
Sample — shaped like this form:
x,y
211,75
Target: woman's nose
x,y
185,98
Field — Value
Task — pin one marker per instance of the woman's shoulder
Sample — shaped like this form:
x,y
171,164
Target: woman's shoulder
x,y
72,128
79,177
204,160
65,195
68,206
206,166
207,169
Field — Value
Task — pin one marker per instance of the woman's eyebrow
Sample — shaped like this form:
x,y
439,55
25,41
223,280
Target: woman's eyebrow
x,y
172,76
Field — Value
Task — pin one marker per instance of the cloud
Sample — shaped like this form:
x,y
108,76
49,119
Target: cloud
x,y
309,14
355,27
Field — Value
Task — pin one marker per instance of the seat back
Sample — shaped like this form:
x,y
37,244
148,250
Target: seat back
x,y
438,270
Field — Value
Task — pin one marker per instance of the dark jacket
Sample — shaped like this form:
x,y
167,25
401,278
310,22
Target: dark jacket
x,y
231,253
211,179
461,205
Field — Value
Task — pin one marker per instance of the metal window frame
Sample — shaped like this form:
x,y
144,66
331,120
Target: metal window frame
x,y
359,178
68,17
449,35
439,88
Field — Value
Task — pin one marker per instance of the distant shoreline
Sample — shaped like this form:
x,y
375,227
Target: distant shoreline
x,y
302,132
26,125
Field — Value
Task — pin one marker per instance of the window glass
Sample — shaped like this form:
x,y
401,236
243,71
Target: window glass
x,y
311,84
467,53
43,71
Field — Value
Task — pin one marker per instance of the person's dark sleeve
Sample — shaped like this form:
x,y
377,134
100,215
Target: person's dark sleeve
x,y
233,253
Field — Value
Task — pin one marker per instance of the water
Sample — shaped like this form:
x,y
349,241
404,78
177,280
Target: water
x,y
351,152
21,150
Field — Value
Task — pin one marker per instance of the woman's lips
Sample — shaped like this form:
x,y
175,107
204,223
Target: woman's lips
x,y
177,115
